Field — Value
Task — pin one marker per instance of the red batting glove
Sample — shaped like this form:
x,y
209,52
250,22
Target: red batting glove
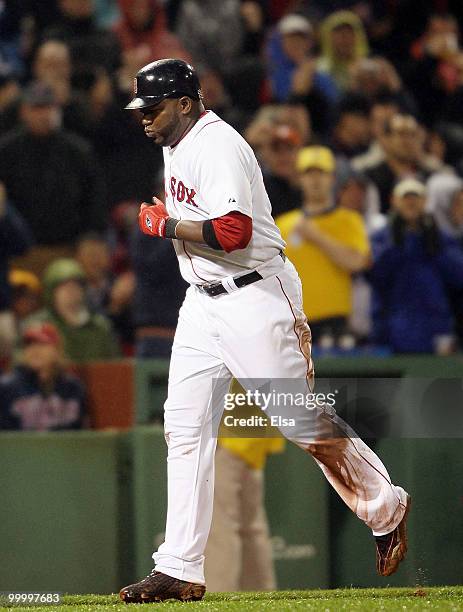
x,y
152,219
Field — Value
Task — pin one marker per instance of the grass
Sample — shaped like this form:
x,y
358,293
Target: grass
x,y
435,598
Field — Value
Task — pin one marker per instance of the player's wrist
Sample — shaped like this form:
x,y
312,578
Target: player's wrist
x,y
170,228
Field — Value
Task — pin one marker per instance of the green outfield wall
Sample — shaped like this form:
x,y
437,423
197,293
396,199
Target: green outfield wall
x,y
82,511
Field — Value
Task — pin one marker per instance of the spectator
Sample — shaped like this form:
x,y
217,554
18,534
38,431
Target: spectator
x,y
215,32
86,336
89,44
128,159
239,538
159,292
226,37
404,156
351,133
289,51
382,109
355,192
375,77
327,244
96,107
38,395
453,104
52,65
415,266
106,294
51,174
15,239
445,203
343,43
433,72
292,70
143,35
280,174
259,132
124,216
26,294
216,98
445,143
40,15
92,253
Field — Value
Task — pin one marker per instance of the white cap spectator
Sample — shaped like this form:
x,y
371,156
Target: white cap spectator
x,y
409,186
295,24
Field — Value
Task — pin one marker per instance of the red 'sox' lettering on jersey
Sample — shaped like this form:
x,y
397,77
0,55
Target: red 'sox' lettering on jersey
x,y
180,191
190,194
173,182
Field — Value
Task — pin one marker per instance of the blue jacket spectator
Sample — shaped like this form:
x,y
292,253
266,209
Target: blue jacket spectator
x,y
293,73
415,266
293,37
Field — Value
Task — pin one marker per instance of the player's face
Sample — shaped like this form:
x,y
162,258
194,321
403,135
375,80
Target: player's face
x,y
165,122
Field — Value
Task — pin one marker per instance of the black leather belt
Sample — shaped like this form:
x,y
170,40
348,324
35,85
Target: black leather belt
x,y
214,289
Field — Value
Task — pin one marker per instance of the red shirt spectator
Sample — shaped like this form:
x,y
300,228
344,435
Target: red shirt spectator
x,y
142,31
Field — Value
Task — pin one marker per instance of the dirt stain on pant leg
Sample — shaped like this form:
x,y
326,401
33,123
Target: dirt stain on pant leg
x,y
347,471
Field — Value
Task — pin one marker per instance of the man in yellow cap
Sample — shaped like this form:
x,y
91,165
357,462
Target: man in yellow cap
x,y
327,244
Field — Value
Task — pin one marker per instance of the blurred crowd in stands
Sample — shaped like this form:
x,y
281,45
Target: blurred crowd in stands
x,y
354,110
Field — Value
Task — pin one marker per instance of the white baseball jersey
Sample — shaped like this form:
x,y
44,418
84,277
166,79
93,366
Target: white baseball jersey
x,y
213,171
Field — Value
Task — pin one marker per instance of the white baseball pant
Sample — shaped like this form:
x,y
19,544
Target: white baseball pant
x,y
256,332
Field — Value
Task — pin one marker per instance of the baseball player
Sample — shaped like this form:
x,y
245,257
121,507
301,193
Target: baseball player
x,y
242,317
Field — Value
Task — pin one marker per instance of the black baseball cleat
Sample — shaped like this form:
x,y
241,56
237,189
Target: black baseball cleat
x,y
392,547
158,587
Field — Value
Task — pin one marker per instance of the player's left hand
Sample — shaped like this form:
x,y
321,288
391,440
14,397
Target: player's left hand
x,y
152,219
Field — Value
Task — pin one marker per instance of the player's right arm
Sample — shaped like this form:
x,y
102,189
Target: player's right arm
x,y
226,233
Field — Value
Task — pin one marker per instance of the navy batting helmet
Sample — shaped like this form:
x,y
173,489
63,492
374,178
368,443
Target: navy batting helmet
x,y
166,78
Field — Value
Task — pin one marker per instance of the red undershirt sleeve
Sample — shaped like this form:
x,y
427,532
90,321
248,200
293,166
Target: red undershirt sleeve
x,y
233,231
